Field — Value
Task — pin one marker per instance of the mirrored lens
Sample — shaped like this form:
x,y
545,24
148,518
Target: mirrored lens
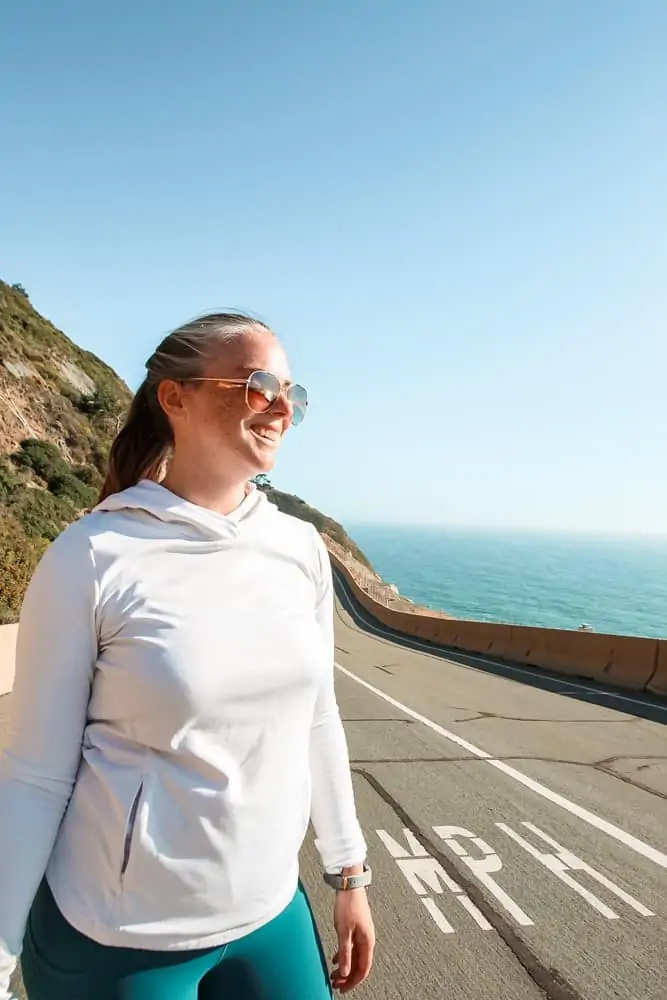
x,y
262,391
298,397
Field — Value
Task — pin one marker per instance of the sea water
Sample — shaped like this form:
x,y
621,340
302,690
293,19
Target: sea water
x,y
616,585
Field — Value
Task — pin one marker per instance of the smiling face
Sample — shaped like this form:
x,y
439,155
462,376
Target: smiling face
x,y
213,425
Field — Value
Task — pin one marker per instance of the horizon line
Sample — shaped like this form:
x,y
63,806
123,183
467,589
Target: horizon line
x,y
589,532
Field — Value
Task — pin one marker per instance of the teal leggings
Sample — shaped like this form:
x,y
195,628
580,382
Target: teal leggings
x,y
281,961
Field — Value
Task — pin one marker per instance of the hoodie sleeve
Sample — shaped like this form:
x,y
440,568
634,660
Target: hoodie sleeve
x,y
55,656
339,838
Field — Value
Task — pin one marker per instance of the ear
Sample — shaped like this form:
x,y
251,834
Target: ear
x,y
171,397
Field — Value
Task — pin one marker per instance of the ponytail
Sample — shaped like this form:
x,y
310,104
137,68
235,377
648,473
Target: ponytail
x,y
141,446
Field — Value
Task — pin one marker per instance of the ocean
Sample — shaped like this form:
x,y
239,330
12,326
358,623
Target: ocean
x,y
616,585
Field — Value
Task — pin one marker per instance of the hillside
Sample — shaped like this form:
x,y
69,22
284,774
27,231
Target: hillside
x,y
330,529
60,407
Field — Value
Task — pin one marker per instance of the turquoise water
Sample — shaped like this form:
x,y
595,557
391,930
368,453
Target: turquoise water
x,y
615,585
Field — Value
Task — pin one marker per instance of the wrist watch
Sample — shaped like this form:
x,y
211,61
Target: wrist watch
x,y
343,882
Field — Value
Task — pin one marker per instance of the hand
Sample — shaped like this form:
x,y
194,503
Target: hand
x,y
356,939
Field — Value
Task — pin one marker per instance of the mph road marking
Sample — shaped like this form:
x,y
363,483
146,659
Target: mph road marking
x,y
427,877
482,867
634,843
561,861
423,872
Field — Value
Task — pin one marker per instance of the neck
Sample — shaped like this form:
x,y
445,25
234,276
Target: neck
x,y
201,487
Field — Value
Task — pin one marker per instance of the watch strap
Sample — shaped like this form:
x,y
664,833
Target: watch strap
x,y
345,882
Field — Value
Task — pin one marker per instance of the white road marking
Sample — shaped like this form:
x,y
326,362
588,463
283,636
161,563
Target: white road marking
x,y
426,874
627,839
483,868
415,643
423,872
479,918
438,916
562,861
416,850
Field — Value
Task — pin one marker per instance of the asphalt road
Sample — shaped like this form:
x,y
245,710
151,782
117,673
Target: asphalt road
x,y
517,831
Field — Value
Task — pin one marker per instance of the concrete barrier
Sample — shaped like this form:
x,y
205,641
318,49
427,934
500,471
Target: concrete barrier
x,y
658,682
7,653
486,638
629,662
623,661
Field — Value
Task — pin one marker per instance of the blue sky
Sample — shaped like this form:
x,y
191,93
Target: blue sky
x,y
455,215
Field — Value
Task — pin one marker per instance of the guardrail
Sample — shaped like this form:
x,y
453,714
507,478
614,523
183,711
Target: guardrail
x,y
636,664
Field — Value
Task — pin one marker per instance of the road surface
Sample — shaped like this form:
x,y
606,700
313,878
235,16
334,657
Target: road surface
x,y
518,834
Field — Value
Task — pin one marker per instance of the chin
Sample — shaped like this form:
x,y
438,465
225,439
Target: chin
x,y
266,466
262,463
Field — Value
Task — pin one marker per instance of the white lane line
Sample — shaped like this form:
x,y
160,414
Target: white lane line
x,y
511,668
634,843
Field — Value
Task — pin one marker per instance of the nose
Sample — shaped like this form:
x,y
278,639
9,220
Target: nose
x,y
283,407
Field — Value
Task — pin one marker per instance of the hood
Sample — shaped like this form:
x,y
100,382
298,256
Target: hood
x,y
153,499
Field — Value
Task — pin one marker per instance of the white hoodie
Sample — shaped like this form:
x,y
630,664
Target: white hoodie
x,y
174,702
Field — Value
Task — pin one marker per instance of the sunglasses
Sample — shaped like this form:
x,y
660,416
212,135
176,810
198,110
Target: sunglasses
x,y
263,390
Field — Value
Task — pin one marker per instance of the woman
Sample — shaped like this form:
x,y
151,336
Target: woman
x,y
174,717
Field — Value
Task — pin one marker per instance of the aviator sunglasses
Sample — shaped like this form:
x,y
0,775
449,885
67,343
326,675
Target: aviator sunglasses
x,y
263,390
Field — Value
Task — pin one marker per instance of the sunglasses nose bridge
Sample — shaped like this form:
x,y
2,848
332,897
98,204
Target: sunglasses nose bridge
x,y
278,396
292,409
283,402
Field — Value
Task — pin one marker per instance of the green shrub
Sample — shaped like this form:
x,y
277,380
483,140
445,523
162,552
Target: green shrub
x,y
68,487
102,401
19,556
42,457
41,514
9,481
89,475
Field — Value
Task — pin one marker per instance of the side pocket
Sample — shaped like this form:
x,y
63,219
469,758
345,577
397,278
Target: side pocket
x,y
129,828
